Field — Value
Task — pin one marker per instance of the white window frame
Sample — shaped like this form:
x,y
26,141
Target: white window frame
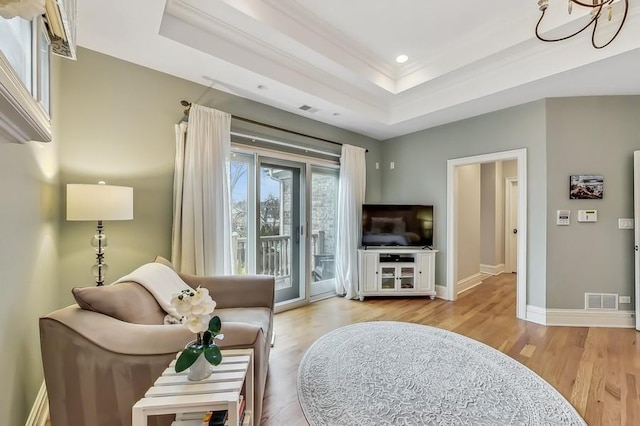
x,y
22,117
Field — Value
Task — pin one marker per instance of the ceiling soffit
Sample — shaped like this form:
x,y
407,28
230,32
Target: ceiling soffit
x,y
283,41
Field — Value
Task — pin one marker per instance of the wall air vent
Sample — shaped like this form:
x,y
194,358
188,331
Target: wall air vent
x,y
606,301
309,109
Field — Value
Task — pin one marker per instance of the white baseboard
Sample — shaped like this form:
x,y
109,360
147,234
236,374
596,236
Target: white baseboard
x,y
492,269
468,282
40,411
536,314
581,317
590,318
441,292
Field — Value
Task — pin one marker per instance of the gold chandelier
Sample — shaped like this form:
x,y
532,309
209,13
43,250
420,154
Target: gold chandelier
x,y
598,8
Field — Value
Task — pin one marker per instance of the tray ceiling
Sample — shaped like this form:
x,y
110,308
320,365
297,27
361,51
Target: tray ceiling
x,y
338,57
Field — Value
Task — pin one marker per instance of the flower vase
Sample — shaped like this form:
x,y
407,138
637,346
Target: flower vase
x,y
200,369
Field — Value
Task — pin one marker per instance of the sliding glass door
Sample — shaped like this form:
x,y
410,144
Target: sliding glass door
x,y
283,215
280,248
324,207
243,212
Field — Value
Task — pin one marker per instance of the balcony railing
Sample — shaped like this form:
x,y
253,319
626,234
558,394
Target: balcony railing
x,y
274,256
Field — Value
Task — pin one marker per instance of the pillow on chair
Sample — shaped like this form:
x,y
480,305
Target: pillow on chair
x,y
127,301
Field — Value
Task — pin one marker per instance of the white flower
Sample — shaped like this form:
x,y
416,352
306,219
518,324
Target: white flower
x,y
197,323
182,303
201,295
205,307
196,307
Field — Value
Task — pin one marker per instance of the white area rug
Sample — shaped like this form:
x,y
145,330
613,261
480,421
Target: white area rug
x,y
394,373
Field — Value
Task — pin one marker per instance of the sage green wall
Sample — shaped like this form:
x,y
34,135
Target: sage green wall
x,y
591,135
118,125
490,175
468,221
420,175
28,264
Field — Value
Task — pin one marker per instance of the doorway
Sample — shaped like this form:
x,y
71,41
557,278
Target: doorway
x,y
520,156
280,246
284,211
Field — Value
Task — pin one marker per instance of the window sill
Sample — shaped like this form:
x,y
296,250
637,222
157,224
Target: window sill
x,y
22,118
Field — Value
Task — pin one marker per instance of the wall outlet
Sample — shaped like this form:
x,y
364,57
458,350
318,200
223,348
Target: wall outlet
x,y
392,165
624,299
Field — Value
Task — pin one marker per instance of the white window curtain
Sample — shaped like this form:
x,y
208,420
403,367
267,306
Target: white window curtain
x,y
201,240
351,190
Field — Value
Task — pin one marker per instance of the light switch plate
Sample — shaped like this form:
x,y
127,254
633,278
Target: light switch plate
x,y
625,223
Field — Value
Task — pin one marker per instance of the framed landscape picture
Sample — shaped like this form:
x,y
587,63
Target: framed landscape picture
x,y
586,187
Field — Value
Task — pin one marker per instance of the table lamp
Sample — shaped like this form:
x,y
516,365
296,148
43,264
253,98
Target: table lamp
x,y
99,203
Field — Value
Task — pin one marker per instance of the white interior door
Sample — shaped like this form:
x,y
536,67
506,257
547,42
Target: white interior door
x,y
636,215
511,226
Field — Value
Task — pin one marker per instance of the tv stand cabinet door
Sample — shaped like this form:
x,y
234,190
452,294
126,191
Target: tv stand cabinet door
x,y
426,272
370,272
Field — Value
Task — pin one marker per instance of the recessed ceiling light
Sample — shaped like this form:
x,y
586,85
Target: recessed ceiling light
x,y
401,59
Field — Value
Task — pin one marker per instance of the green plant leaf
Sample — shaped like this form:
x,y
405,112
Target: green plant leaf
x,y
212,354
215,325
206,338
188,357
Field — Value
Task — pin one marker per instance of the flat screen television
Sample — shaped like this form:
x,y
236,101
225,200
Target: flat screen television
x,y
402,225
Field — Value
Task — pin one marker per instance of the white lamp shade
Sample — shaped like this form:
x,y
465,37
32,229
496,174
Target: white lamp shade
x,y
99,202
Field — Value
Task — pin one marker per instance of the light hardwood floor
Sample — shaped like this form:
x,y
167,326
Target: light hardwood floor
x,y
596,369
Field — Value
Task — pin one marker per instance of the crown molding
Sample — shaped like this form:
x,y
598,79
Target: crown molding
x,y
332,38
187,24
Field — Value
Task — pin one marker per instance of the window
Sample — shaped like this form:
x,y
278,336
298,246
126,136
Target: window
x,y
44,66
24,80
17,47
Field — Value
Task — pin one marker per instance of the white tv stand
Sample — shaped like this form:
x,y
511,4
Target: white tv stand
x,y
388,271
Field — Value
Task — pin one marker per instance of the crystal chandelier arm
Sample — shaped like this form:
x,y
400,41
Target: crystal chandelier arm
x,y
624,18
593,19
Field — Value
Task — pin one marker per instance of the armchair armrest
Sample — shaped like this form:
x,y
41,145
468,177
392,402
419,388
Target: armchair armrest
x,y
117,336
237,291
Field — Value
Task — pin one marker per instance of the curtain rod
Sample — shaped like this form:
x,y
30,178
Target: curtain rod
x,y
187,104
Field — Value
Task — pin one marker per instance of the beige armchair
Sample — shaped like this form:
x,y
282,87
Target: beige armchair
x,y
102,354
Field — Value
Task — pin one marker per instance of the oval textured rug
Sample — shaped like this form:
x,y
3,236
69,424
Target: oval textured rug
x,y
394,373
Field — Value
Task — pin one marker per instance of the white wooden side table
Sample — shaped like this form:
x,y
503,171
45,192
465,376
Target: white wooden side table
x,y
174,393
